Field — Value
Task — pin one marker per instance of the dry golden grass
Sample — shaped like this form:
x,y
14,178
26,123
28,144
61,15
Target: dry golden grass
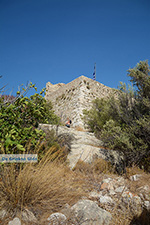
x,y
78,128
142,181
46,186
92,174
134,170
98,166
129,217
122,217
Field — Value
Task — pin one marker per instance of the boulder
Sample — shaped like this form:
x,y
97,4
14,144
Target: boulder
x,y
28,216
106,200
15,221
89,213
57,219
147,205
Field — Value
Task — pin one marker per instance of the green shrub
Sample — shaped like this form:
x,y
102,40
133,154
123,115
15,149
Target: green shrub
x,y
123,122
19,121
98,115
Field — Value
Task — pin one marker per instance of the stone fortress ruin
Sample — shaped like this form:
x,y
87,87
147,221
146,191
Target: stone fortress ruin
x,y
69,100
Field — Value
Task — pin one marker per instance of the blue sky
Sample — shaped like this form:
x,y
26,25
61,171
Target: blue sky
x,y
60,40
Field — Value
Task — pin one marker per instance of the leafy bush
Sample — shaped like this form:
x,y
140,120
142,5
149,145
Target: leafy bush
x,y
19,119
123,123
98,115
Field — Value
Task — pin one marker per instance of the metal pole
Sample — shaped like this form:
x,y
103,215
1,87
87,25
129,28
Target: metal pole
x,y
95,71
94,74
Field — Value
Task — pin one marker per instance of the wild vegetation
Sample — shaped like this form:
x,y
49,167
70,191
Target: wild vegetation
x,y
19,119
123,123
47,184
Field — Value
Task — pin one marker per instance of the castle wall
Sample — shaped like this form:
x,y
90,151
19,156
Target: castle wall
x,y
70,99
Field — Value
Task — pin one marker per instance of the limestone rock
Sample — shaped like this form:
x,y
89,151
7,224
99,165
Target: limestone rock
x,y
57,219
86,147
28,216
107,180
145,190
15,221
88,213
147,205
133,200
95,194
112,193
135,177
3,213
106,200
107,184
120,189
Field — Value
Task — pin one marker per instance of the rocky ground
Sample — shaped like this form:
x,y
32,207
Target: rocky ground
x,y
110,198
114,200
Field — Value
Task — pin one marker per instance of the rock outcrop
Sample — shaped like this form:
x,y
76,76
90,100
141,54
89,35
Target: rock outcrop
x,y
89,213
69,100
85,146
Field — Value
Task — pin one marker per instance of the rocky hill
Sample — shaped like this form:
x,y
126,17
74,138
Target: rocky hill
x,y
70,99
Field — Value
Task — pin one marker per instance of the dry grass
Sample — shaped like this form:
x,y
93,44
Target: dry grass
x,y
127,216
46,186
122,217
78,128
98,166
143,180
134,170
92,174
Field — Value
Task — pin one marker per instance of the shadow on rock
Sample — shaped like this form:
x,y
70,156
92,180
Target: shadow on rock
x,y
65,140
116,159
143,219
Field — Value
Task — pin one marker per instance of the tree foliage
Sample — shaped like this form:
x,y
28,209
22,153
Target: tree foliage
x,y
19,119
123,123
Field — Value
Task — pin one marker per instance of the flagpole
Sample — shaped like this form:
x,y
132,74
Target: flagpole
x,y
95,71
94,74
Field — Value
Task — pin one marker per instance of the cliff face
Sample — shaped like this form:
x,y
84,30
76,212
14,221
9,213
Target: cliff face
x,y
70,99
